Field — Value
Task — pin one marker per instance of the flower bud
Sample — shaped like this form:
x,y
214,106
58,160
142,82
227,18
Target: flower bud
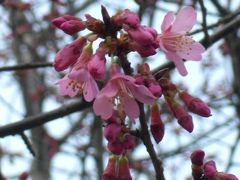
x,y
68,55
109,172
123,171
73,26
195,105
184,119
155,89
156,125
129,18
210,169
197,157
129,141
60,20
97,65
112,131
115,147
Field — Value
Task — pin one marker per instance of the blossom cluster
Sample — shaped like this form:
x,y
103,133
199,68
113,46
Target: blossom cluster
x,y
207,170
115,91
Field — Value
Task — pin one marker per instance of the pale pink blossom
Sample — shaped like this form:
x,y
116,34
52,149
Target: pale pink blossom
x,y
77,83
175,42
121,92
88,84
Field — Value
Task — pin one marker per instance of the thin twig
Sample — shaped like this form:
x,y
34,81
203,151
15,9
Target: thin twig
x,y
40,119
204,20
25,66
145,137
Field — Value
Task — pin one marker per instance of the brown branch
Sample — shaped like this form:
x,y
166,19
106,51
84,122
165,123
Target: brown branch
x,y
25,66
204,20
40,119
145,137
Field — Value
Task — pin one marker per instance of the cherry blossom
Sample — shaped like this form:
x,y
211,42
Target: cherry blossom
x,y
121,92
175,42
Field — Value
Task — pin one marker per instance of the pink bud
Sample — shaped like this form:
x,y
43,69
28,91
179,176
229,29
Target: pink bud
x,y
60,20
195,105
129,141
97,65
123,172
141,35
68,55
109,172
144,50
197,157
156,125
115,147
209,169
155,89
73,26
112,131
225,176
139,79
184,119
130,18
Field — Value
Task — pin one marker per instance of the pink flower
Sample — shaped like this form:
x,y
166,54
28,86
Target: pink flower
x,y
78,82
69,87
68,55
97,64
87,83
121,92
156,125
174,41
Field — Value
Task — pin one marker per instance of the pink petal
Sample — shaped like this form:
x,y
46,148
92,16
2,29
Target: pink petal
x,y
81,75
65,89
178,63
90,90
141,93
110,90
167,21
130,107
122,76
103,107
185,20
191,51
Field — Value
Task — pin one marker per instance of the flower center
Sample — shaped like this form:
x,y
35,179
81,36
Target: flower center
x,y
176,42
75,86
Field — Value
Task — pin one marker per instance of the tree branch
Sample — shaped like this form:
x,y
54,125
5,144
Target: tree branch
x,y
145,136
25,66
40,119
